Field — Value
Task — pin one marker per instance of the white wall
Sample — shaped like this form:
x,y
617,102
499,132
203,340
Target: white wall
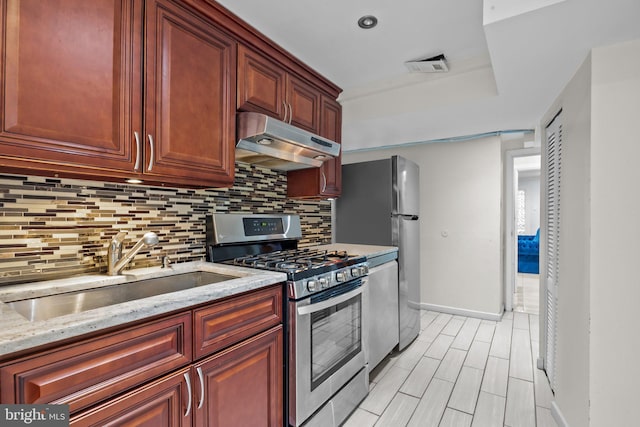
x,y
572,361
461,199
531,187
615,233
599,289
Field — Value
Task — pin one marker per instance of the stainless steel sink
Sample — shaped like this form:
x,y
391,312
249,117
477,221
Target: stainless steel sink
x,y
48,307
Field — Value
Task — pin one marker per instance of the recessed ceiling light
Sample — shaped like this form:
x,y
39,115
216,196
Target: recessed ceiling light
x,y
367,22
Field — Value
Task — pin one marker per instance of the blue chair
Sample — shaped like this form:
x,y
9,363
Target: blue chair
x,y
529,253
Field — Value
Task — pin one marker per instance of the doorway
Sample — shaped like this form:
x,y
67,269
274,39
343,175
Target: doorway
x,y
526,295
522,202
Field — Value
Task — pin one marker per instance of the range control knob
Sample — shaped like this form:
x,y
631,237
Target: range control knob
x,y
355,272
324,283
340,277
313,286
363,270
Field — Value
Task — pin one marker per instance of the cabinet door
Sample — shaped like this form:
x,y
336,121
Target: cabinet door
x,y
243,384
190,98
162,403
331,127
304,104
261,84
71,91
326,181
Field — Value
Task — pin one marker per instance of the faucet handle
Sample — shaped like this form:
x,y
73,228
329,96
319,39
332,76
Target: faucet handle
x,y
120,237
166,262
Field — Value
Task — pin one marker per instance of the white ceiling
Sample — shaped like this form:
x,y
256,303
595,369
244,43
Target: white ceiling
x,y
523,53
325,35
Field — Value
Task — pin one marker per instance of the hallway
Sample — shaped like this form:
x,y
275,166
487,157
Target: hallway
x,y
461,371
526,297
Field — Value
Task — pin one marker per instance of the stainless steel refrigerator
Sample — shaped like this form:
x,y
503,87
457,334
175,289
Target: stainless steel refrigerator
x,y
380,206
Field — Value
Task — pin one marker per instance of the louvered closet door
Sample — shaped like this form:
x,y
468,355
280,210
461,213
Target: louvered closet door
x,y
553,157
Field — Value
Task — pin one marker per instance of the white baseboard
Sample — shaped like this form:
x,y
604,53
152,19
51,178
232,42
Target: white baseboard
x,y
557,415
463,312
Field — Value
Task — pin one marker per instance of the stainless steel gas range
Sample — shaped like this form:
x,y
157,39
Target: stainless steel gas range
x,y
325,367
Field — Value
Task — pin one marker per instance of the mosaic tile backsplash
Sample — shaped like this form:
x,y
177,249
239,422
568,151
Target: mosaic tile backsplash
x,y
52,228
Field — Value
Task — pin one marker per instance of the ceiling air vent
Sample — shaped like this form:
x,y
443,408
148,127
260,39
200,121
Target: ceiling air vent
x,y
435,64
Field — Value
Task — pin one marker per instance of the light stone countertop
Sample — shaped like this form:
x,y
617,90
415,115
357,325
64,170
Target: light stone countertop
x,y
17,333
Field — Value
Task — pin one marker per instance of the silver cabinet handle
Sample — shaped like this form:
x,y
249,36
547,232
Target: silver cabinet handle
x,y
200,376
284,104
151,153
290,113
324,180
138,148
186,378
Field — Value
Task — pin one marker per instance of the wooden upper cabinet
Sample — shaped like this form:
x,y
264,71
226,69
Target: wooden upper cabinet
x,y
266,87
303,101
326,181
69,100
332,129
189,101
73,75
261,84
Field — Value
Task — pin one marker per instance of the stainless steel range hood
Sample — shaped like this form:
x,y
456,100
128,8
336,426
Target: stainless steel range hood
x,y
271,143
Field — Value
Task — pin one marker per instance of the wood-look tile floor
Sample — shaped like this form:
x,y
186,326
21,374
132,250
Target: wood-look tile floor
x,y
461,371
526,297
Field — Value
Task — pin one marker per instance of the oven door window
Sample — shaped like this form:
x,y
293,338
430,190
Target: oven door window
x,y
336,336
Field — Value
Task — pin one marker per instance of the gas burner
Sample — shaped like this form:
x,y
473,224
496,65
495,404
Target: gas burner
x,y
338,254
266,261
300,264
293,266
250,261
321,256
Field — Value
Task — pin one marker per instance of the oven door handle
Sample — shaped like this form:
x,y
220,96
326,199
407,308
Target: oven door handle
x,y
322,305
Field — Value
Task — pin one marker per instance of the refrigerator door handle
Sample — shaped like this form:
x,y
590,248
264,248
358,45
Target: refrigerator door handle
x,y
407,217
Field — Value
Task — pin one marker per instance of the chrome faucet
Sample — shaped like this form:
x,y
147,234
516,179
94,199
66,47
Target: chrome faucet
x,y
115,261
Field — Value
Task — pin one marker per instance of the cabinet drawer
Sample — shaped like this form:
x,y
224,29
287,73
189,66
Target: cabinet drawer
x,y
86,372
226,323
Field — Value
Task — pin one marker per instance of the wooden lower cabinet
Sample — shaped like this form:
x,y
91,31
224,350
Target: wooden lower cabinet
x,y
220,325
240,386
243,385
89,371
162,403
220,364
